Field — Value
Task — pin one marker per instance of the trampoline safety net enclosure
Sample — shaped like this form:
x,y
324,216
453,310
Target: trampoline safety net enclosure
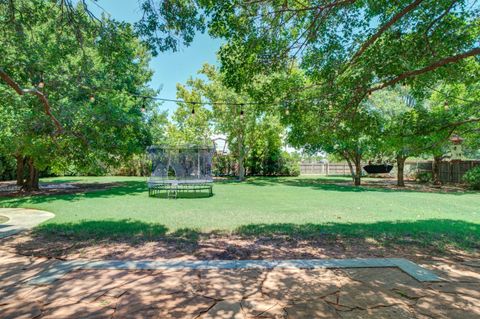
x,y
185,169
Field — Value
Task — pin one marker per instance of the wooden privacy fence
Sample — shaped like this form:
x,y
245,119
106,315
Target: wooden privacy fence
x,y
324,169
449,172
452,172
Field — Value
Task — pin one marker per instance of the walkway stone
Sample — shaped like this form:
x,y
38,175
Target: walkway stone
x,y
302,284
20,219
65,308
471,289
258,306
317,309
229,284
63,267
393,312
278,293
225,309
177,305
448,306
362,297
20,309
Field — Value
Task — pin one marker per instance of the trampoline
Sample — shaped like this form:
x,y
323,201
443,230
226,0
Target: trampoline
x,y
181,170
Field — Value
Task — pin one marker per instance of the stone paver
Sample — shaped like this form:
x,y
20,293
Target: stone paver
x,y
278,293
20,309
229,284
448,306
262,306
394,312
20,219
225,309
314,309
176,305
63,267
302,284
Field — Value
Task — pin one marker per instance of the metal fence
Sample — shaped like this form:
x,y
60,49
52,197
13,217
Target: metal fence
x,y
449,172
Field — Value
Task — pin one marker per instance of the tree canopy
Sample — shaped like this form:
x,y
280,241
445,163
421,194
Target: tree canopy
x,y
82,110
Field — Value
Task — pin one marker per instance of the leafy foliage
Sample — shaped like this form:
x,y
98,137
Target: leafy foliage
x,y
106,63
472,178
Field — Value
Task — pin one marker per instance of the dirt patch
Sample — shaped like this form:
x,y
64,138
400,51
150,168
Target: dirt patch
x,y
410,185
7,189
228,247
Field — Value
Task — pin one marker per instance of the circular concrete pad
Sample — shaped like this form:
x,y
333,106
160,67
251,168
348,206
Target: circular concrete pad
x,y
20,219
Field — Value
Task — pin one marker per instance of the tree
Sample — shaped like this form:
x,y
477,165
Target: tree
x,y
158,123
310,127
459,103
414,126
253,131
191,122
86,111
348,50
233,113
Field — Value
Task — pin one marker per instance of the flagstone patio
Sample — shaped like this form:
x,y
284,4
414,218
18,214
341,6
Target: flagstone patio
x,y
237,293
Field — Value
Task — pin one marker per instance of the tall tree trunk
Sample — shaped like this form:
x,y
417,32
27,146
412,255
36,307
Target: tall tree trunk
x,y
350,166
436,170
20,169
358,169
241,167
241,161
400,170
32,182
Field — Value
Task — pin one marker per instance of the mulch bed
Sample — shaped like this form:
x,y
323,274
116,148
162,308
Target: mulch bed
x,y
9,191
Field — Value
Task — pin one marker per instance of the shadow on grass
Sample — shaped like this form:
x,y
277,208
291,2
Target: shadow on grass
x,y
57,180
430,232
295,181
126,230
439,234
332,184
119,189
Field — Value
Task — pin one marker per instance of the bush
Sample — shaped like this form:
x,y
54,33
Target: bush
x,y
423,177
290,165
223,165
276,164
472,178
7,168
137,165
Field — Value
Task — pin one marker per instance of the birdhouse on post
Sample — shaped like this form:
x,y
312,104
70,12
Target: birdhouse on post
x,y
456,148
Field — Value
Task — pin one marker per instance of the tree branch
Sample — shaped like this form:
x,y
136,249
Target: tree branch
x,y
383,29
305,8
429,68
43,99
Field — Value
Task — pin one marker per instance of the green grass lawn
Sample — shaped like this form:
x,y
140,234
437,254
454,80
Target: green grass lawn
x,y
261,206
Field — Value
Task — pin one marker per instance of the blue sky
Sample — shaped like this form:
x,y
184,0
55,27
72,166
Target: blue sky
x,y
170,67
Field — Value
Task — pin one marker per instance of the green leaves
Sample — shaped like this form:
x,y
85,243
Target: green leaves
x,y
76,60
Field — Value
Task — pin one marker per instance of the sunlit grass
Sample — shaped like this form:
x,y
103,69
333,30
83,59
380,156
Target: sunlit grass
x,y
303,206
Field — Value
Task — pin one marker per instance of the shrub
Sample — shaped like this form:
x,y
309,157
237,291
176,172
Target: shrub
x,y
7,168
290,165
223,165
137,165
472,178
423,177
